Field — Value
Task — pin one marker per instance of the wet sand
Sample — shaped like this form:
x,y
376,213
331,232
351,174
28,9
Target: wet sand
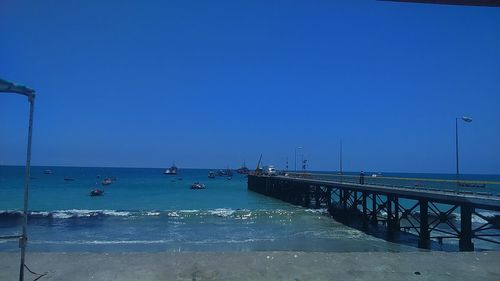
x,y
256,266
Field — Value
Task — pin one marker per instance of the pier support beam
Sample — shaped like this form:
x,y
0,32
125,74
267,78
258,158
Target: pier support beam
x,y
374,209
345,197
317,197
365,209
424,241
389,219
355,202
465,240
397,223
363,203
307,196
329,197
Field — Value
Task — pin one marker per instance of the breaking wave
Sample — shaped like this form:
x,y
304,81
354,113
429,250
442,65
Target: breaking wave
x,y
219,212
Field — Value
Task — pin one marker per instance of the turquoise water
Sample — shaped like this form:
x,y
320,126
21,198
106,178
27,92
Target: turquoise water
x,y
145,210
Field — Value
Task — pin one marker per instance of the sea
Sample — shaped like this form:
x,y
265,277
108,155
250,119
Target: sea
x,y
147,211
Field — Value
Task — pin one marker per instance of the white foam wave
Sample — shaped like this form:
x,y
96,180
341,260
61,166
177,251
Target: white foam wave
x,y
102,242
44,214
78,213
480,220
189,211
173,214
317,211
116,213
222,212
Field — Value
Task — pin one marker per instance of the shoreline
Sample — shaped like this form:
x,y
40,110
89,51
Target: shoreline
x,y
255,266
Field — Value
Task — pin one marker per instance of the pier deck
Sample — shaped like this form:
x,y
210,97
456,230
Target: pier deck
x,y
430,213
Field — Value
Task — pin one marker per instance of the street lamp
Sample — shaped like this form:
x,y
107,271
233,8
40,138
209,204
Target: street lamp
x,y
465,119
298,147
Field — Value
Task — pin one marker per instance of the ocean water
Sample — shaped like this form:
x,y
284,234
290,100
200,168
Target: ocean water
x,y
145,210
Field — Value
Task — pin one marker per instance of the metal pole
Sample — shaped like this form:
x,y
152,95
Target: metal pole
x,y
24,238
340,157
295,161
456,146
299,147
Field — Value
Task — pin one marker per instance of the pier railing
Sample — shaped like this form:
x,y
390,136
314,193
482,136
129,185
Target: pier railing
x,y
485,188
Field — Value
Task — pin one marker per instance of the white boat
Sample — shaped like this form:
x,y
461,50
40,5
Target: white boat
x,y
197,185
171,171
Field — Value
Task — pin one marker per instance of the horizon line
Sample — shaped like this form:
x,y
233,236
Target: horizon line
x,y
190,168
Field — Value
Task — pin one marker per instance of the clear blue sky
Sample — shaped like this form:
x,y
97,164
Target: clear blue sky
x,y
211,83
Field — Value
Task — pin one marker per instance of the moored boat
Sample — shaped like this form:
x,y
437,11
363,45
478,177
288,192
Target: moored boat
x,y
96,192
171,171
211,175
197,185
106,181
47,172
243,170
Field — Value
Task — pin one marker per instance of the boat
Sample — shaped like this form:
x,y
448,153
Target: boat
x,y
197,185
211,175
47,172
243,170
106,181
96,192
229,178
224,173
171,171
69,179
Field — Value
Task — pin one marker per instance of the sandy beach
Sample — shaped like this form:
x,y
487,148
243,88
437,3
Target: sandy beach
x,y
256,266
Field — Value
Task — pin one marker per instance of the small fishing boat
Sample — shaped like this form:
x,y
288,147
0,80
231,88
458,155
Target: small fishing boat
x,y
171,171
69,179
211,175
47,172
106,181
197,185
96,192
229,178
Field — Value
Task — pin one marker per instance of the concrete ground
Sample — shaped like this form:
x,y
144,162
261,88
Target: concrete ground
x,y
256,266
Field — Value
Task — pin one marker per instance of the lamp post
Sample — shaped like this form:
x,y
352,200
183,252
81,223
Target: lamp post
x,y
298,147
465,119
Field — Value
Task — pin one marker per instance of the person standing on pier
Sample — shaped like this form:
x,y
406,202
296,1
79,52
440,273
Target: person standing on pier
x,y
362,177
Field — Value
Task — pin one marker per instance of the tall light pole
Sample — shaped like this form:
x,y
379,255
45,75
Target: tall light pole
x,y
465,119
340,157
298,147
